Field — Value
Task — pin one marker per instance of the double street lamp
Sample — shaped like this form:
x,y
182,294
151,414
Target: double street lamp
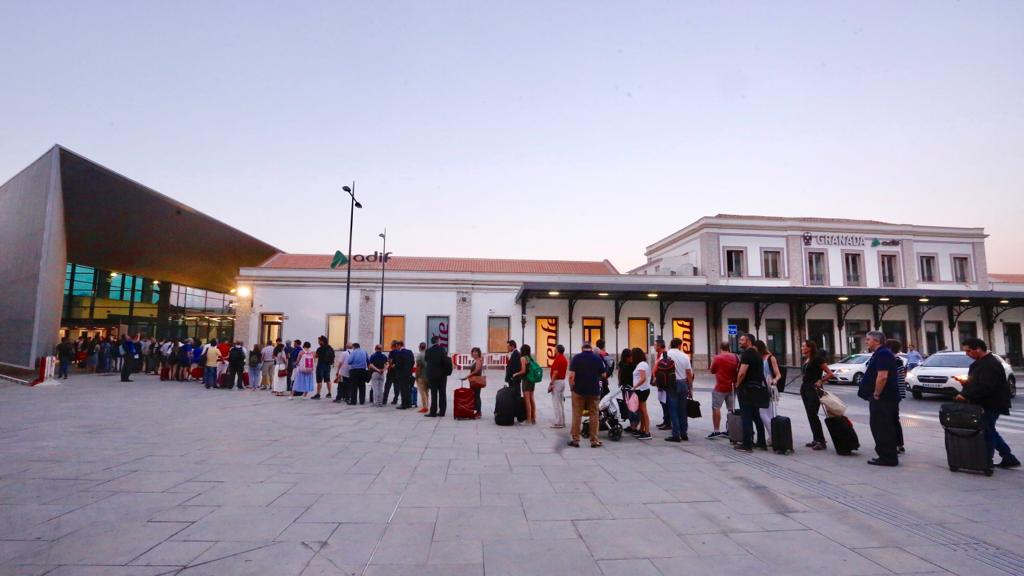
x,y
348,267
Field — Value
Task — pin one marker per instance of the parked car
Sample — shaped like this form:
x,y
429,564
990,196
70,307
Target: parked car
x,y
849,370
945,373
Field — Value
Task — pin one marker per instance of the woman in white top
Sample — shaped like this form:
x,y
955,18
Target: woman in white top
x,y
279,384
642,388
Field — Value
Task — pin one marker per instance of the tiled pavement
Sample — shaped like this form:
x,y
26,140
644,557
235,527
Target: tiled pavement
x,y
100,477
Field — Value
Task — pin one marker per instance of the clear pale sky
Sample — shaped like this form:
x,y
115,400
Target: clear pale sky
x,y
579,130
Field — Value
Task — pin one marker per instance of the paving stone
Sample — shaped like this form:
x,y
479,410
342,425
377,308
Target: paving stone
x,y
484,523
641,567
171,553
897,560
404,544
559,507
307,532
241,523
808,552
281,558
365,509
623,539
102,543
515,558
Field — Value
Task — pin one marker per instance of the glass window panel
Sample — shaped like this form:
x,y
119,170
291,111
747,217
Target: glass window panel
x,y
336,325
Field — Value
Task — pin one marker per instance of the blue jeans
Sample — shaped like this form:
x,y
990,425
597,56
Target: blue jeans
x,y
210,376
677,409
992,438
414,393
62,368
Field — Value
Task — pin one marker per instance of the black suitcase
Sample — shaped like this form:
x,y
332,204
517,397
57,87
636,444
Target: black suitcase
x,y
844,437
960,415
734,426
966,449
782,435
507,406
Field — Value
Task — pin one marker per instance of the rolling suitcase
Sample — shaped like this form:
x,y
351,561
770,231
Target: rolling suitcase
x,y
960,415
734,426
465,403
197,373
966,449
782,435
245,381
165,372
507,404
844,437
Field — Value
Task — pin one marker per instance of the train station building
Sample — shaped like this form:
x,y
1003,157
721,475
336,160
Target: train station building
x,y
90,252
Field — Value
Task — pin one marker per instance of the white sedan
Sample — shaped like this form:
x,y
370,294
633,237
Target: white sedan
x,y
849,370
945,373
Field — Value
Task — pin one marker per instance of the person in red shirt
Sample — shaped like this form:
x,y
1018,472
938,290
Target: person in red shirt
x,y
724,366
559,366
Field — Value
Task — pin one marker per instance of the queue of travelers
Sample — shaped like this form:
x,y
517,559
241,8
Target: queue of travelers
x,y
751,380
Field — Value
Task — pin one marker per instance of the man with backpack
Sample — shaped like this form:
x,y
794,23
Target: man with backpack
x,y
680,391
324,362
236,365
439,367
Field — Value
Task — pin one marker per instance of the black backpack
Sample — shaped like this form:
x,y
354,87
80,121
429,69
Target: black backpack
x,y
665,373
329,357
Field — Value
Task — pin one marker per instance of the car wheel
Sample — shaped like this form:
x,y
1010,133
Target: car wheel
x,y
917,395
1013,387
857,378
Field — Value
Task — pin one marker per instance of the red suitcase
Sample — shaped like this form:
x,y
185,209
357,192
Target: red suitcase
x,y
197,373
165,372
465,403
245,378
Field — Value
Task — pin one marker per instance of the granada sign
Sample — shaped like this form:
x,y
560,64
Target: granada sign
x,y
846,240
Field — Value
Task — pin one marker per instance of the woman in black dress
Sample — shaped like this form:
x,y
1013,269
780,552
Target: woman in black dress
x,y
815,373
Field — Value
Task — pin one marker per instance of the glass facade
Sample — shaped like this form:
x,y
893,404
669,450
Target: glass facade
x,y
103,302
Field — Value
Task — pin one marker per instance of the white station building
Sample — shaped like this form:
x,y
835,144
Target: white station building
x,y
783,279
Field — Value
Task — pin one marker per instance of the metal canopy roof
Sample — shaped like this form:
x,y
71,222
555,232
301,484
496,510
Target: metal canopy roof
x,y
702,292
115,223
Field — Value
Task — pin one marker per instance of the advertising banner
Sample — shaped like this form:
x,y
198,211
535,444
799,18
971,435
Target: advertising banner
x,y
682,328
438,326
547,339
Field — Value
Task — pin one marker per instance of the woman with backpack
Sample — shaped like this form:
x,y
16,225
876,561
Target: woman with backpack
x,y
642,388
255,364
529,381
305,366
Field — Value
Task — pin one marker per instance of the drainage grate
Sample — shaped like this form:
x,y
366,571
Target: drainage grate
x,y
998,558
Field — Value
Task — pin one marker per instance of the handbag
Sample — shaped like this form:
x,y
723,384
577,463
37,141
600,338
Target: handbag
x,y
632,402
692,408
832,404
477,381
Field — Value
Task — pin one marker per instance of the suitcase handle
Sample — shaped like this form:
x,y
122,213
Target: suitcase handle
x,y
962,432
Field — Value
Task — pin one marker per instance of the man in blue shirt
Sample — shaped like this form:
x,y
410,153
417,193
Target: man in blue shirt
x,y
378,366
358,360
914,357
879,387
585,373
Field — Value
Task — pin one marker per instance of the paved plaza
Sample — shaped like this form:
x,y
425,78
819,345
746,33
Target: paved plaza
x,y
144,478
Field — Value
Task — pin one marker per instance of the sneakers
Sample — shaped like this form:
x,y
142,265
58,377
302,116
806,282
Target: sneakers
x,y
715,435
673,439
315,397
644,436
1009,462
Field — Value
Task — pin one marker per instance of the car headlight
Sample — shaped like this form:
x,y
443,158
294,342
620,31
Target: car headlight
x,y
839,371
962,379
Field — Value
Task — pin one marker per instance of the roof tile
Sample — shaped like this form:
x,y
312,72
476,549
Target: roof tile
x,y
444,264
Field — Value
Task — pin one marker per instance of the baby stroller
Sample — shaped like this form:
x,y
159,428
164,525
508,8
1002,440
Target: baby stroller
x,y
610,410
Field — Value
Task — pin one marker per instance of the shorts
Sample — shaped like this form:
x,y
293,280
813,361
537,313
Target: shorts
x,y
717,398
643,395
323,373
529,386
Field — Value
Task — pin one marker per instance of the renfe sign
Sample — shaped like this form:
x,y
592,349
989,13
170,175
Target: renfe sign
x,y
438,326
547,338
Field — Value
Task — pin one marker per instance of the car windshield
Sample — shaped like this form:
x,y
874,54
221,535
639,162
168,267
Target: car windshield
x,y
855,359
948,361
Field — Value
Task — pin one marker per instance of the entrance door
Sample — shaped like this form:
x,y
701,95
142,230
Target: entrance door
x,y
934,337
775,337
638,333
593,330
547,339
895,329
742,327
855,332
822,333
270,327
1011,336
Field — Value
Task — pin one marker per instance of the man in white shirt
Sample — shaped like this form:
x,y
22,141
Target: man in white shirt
x,y
344,374
683,392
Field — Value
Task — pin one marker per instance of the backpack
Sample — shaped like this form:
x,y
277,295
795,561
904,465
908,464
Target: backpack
x,y
236,356
449,367
307,364
534,373
665,373
255,358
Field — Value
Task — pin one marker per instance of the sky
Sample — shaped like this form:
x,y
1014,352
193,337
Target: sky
x,y
554,130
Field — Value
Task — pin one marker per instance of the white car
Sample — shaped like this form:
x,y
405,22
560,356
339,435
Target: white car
x,y
945,373
849,370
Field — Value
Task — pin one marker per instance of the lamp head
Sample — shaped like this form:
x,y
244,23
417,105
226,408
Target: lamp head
x,y
358,205
346,189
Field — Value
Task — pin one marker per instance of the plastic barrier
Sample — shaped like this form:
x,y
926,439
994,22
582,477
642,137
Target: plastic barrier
x,y
47,370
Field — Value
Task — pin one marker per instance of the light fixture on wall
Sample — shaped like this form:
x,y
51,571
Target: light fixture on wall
x,y
652,295
883,299
922,300
843,298
965,300
243,291
553,292
1004,301
602,293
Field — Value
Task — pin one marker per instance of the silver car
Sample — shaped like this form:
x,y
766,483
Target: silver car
x,y
945,373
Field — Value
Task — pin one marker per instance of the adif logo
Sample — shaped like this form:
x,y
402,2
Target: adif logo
x,y
807,239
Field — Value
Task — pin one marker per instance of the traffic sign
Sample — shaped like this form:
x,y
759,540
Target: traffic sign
x,y
733,331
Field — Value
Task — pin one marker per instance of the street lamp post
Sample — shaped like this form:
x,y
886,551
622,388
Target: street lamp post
x,y
348,267
383,260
